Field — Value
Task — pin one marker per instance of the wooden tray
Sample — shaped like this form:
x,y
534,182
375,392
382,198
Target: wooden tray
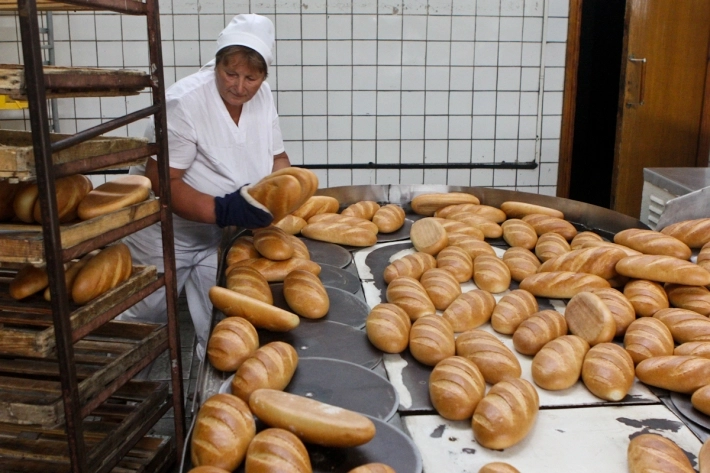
x,y
128,6
17,154
30,389
27,328
25,243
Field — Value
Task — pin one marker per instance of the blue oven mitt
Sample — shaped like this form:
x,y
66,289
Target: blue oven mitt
x,y
241,209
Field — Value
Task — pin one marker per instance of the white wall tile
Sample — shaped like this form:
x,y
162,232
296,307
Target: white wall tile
x,y
413,103
534,7
531,54
340,103
532,29
550,151
486,54
548,174
554,79
530,79
511,29
463,7
559,8
339,7
488,7
211,26
512,7
555,54
460,152
435,176
508,103
483,151
455,177
411,176
292,128
527,177
389,77
526,150
340,77
187,53
551,126
461,78
509,54
84,54
437,78
527,127
412,127
389,52
460,127
364,152
482,177
436,151
437,103
288,27
508,78
314,52
461,103
438,53
485,78
439,28
364,52
316,6
339,128
484,103
506,127
363,177
113,107
315,78
440,7
9,28
88,107
364,77
552,103
364,26
388,128
110,54
339,177
81,28
463,28
436,127
487,28
388,103
315,103
364,128
339,27
414,53
557,30
290,103
60,21
388,152
483,127
414,27
528,103
185,27
134,28
462,54
314,26
315,128
504,177
315,152
364,103
389,27
288,53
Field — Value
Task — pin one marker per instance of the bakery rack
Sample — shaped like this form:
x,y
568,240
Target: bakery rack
x,y
68,398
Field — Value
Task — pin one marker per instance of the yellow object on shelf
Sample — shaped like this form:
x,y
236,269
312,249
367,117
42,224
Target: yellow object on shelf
x,y
6,103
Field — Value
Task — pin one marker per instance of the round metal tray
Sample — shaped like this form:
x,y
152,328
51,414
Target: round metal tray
x,y
332,276
327,253
685,407
345,307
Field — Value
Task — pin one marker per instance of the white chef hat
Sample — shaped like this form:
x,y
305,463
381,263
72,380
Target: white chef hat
x,y
250,30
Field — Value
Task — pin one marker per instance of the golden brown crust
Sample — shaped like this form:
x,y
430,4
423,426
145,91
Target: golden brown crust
x,y
317,204
685,325
546,224
518,233
491,274
515,209
558,364
683,374
250,282
285,190
387,327
305,294
651,452
428,236
260,314
116,194
608,371
589,318
550,245
456,261
534,332
409,294
71,191
470,310
29,280
431,340
277,450
271,366
595,260
652,243
647,297
648,337
492,357
701,399
412,265
364,209
109,268
694,233
561,284
621,308
695,298
276,271
340,233
521,263
456,386
663,268
427,204
273,243
232,341
512,309
441,287
389,218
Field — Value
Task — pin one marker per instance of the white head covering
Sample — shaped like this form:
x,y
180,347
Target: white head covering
x,y
250,30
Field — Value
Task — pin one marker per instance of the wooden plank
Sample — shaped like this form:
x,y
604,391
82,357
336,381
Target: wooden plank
x,y
43,5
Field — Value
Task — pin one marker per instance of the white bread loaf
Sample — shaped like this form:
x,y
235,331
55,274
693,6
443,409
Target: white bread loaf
x,y
441,286
589,318
489,228
364,209
546,224
701,399
470,310
340,233
427,204
300,250
608,371
704,458
521,263
109,268
646,297
683,374
428,236
285,190
389,218
473,246
277,450
72,269
652,243
694,233
583,237
498,467
305,294
515,209
444,212
456,386
506,414
373,468
620,307
291,224
695,298
410,295
491,274
412,265
492,357
663,268
685,325
534,332
608,244
312,421
114,195
242,249
653,453
207,469
71,191
271,366
387,327
561,284
558,364
273,243
30,279
456,261
358,222
701,348
24,200
317,204
550,245
595,260
260,314
492,214
512,309
646,338
703,259
231,342
276,271
518,233
431,340
454,226
250,282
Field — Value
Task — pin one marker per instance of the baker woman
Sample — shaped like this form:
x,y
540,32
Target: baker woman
x,y
223,134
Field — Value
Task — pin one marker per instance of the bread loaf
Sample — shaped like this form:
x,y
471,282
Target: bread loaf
x,y
701,348
561,284
608,371
538,329
224,426
389,218
546,224
387,327
550,245
583,237
512,309
685,325
29,280
491,274
470,245
412,265
493,214
454,226
272,243
71,271
300,250
663,269
312,421
489,228
410,295
207,469
515,209
683,374
276,271
109,268
373,468
506,414
701,399
498,467
646,297
23,203
232,341
704,458
589,318
285,190
694,233
317,204
558,364
703,259
270,366
444,212
428,236
455,387
518,233
291,224
431,339
364,209
277,450
647,338
306,295
470,310
427,204
600,261
456,261
652,243
340,233
114,195
70,192
441,286
242,249
619,306
608,244
7,196
260,314
653,453
344,220
695,298
250,282
521,263
494,359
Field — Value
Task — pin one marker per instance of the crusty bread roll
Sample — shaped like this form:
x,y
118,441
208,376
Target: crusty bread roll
x,y
428,236
427,204
646,297
701,399
515,209
207,469
506,414
498,467
373,468
340,233
389,218
109,268
589,318
473,246
441,286
489,228
538,329
300,250
285,190
456,261
683,374
558,364
701,348
594,260
694,233
511,310
70,192
344,220
305,294
250,282
23,203
410,295
456,385
493,214
546,223
521,263
29,280
492,357
364,209
454,226
652,243
291,224
276,271
387,327
685,325
653,453
317,204
260,314
561,284
312,421
550,245
491,274
704,458
518,233
277,450
431,339
232,341
583,237
609,244
647,337
270,366
703,259
272,243
470,310
663,268
412,265
114,195
242,249
224,426
71,270
620,307
608,371
695,298
7,196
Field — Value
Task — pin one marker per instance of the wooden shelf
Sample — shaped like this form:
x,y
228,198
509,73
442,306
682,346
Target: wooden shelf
x,y
131,7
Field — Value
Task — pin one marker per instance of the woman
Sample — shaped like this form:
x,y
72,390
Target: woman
x,y
223,134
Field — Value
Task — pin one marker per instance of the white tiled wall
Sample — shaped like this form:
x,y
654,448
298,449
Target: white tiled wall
x,y
362,81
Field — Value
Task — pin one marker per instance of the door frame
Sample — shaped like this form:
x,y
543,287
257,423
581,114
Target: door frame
x,y
569,104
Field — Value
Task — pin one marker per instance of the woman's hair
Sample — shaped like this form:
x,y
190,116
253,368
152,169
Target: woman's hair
x,y
253,59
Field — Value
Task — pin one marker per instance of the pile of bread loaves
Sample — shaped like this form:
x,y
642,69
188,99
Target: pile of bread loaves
x,y
641,289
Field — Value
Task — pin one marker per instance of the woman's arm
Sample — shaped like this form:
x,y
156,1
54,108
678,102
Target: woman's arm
x,y
281,161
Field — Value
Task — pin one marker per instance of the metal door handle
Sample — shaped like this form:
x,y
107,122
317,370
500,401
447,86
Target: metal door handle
x,y
642,81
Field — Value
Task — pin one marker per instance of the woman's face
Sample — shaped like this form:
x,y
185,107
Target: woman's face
x,y
237,83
